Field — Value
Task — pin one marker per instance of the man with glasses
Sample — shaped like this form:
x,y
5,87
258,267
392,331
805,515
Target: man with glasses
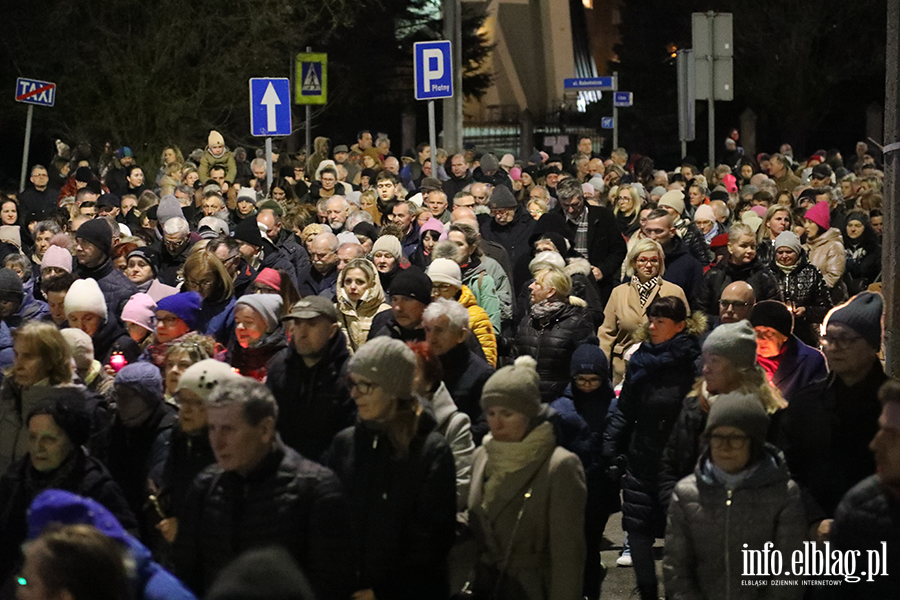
x,y
827,428
39,196
510,226
682,268
227,249
322,278
313,399
736,303
174,249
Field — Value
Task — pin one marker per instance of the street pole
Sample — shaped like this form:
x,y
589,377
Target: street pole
x,y
712,90
615,143
308,125
432,135
27,147
268,164
890,256
453,107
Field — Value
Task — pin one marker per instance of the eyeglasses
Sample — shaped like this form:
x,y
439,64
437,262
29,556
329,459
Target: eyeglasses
x,y
644,261
364,387
199,284
734,441
841,341
626,198
587,380
733,304
500,211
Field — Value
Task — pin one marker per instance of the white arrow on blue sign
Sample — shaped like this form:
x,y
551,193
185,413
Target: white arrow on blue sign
x,y
606,123
32,91
623,99
270,106
433,69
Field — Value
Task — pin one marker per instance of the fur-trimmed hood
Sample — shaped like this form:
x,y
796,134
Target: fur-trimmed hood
x,y
578,266
695,326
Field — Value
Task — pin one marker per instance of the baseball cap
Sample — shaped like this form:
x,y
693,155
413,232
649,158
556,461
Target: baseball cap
x,y
312,307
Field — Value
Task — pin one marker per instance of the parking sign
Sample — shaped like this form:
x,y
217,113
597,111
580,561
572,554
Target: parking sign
x,y
433,69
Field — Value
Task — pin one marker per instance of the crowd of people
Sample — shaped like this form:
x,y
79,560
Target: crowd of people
x,y
377,377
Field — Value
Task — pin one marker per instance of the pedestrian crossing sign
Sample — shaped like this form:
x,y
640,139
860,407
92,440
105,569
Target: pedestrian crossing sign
x,y
311,78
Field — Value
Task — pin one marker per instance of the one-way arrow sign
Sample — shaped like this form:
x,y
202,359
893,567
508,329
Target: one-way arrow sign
x,y
270,109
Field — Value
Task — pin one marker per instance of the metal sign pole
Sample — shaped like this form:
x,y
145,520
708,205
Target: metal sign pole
x,y
615,143
308,125
432,135
27,147
268,165
712,90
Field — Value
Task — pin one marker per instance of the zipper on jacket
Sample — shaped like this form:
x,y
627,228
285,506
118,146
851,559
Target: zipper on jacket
x,y
727,545
375,441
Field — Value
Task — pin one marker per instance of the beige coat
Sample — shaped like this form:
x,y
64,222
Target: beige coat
x,y
623,316
356,318
827,253
548,551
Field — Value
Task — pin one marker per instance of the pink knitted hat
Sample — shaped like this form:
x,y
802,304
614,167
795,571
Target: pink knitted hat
x,y
140,310
57,257
820,215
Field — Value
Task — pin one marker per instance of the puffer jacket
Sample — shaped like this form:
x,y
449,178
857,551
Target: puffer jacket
x,y
484,288
404,509
724,274
551,341
208,161
480,325
286,500
356,318
658,378
116,287
826,252
624,316
709,525
805,286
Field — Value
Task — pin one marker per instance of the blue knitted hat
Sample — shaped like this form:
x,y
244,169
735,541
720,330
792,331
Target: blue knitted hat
x,y
186,306
589,359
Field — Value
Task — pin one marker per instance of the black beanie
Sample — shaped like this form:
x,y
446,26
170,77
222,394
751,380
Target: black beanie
x,y
413,283
862,313
248,231
366,229
97,232
10,285
150,255
66,406
774,314
84,174
589,359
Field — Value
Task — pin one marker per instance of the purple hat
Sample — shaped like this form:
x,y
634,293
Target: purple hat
x,y
186,306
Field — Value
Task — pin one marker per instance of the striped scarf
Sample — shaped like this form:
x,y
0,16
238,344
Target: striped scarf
x,y
644,289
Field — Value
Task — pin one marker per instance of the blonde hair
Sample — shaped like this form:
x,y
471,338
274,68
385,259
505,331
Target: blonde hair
x,y
205,261
556,278
47,341
644,245
753,381
636,202
763,233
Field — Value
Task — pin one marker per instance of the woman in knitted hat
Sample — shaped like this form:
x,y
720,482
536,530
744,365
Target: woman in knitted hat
x,y
776,221
86,310
387,256
429,235
176,316
527,501
802,285
258,334
139,316
42,363
188,449
276,281
205,274
740,497
359,298
825,246
658,376
863,251
181,354
58,429
739,264
142,267
553,329
399,475
626,311
729,365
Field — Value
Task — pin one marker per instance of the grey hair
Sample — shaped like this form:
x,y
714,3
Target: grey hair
x,y
447,249
177,225
341,198
357,217
45,226
329,237
456,313
258,162
545,259
254,398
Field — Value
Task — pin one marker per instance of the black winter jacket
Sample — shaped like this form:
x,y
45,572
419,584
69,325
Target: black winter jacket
x,y
296,254
314,403
286,500
116,287
724,274
551,342
465,374
111,338
656,381
514,236
683,269
187,454
404,509
805,286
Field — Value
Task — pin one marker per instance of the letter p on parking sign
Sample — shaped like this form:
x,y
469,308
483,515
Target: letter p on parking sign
x,y
433,70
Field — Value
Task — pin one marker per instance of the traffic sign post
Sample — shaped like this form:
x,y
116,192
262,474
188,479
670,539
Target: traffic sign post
x,y
32,92
433,79
615,86
713,41
311,84
588,84
623,99
270,113
606,123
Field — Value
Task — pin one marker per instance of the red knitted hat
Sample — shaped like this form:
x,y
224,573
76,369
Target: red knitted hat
x,y
269,277
820,215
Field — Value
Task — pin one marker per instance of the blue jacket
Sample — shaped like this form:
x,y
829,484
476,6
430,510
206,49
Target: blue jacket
x,y
683,269
800,366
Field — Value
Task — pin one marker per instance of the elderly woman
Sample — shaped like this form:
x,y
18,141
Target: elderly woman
x,y
739,264
188,449
776,221
359,298
627,209
400,476
659,375
180,356
42,363
729,365
205,274
86,310
58,427
142,267
258,334
863,250
520,476
802,285
706,542
626,310
552,330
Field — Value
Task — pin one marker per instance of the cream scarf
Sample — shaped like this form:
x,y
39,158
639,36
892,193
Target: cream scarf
x,y
505,458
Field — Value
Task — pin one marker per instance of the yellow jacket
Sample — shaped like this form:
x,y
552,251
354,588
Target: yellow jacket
x,y
480,324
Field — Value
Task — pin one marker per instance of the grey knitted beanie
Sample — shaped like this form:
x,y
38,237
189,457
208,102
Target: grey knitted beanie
x,y
734,341
516,387
388,363
741,410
